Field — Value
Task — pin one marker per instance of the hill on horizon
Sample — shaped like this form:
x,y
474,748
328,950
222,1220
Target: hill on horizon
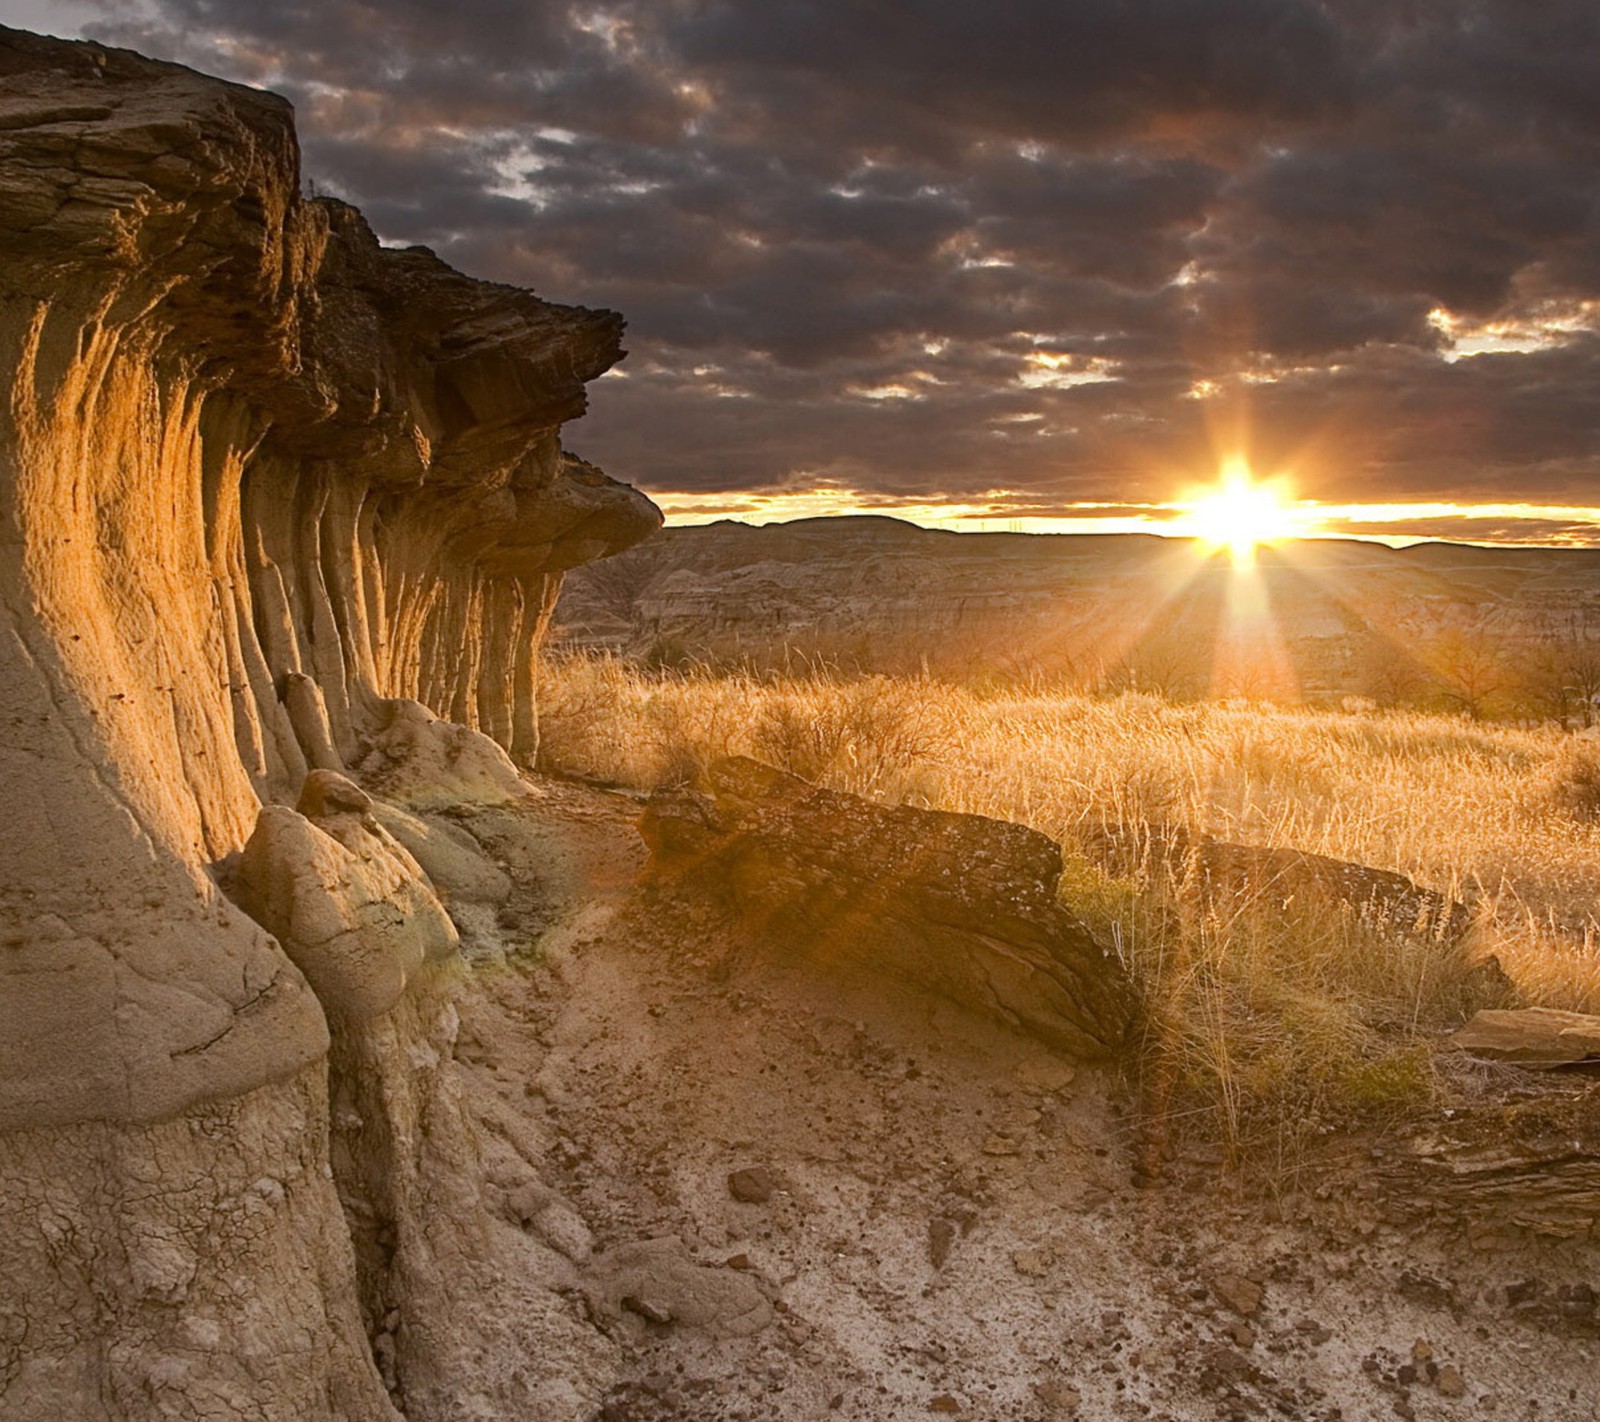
x,y
1316,620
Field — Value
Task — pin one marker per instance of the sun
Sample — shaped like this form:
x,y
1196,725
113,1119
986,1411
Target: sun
x,y
1240,512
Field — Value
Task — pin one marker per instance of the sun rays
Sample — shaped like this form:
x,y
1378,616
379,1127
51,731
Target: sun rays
x,y
1240,512
1238,515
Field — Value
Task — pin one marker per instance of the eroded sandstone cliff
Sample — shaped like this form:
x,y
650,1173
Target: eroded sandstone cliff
x,y
274,499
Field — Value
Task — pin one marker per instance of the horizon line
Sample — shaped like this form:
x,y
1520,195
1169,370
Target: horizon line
x,y
1565,527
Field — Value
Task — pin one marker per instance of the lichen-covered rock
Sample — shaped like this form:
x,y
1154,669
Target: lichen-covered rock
x,y
957,905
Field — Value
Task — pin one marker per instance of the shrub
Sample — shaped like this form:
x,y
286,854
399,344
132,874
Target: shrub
x,y
1570,783
1270,1022
866,736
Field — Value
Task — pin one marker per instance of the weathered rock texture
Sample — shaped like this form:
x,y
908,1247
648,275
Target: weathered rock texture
x,y
1520,1158
957,905
1274,878
1531,1036
272,499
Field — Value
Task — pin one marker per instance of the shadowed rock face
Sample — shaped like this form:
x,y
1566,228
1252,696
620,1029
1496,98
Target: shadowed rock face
x,y
957,905
272,499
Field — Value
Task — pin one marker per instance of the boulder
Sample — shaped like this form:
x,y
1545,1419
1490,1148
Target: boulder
x,y
425,762
461,873
351,908
1275,877
960,906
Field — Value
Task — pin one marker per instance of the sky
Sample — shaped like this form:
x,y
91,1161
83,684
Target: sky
x,y
1022,264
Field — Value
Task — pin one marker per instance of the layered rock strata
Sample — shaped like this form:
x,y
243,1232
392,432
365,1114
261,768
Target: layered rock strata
x,y
273,499
960,906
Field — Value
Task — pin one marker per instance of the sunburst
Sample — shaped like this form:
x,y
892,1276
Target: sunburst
x,y
1240,512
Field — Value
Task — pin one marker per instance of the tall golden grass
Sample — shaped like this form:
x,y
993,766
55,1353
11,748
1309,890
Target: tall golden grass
x,y
1261,1017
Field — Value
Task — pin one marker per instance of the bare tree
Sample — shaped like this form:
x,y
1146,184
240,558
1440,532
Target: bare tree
x,y
1390,675
1562,668
1471,668
1165,665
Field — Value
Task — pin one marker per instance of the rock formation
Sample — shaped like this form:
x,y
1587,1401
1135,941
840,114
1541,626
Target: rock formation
x,y
1274,879
956,905
283,516
275,499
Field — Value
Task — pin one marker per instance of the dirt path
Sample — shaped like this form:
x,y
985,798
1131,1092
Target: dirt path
x,y
939,1214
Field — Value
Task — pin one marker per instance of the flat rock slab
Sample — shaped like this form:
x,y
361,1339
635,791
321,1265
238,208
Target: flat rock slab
x,y
1531,1036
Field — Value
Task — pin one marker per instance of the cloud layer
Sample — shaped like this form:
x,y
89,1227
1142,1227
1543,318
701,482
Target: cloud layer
x,y
932,250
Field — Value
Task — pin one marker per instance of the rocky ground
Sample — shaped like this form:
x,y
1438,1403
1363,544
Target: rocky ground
x,y
771,1192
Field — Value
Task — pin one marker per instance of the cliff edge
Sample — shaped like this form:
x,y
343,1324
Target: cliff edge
x,y
276,499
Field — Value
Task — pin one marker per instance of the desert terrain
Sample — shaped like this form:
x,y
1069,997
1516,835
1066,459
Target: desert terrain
x,y
399,1022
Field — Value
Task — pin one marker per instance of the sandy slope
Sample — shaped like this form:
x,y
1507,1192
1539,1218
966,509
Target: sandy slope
x,y
952,1228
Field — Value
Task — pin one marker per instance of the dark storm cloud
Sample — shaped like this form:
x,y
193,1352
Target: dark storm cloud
x,y
929,248
1039,68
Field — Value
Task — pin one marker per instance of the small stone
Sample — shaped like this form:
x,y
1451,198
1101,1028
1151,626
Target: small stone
x,y
738,1261
998,1144
1240,1294
751,1186
648,1309
941,1240
944,1403
1057,1397
1048,1077
1450,1382
1421,1351
1031,1263
1242,1333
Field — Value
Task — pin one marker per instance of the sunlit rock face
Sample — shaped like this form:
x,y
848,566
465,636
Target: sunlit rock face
x,y
270,491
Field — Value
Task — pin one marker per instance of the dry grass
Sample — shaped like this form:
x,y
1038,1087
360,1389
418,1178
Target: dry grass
x,y
1258,1016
